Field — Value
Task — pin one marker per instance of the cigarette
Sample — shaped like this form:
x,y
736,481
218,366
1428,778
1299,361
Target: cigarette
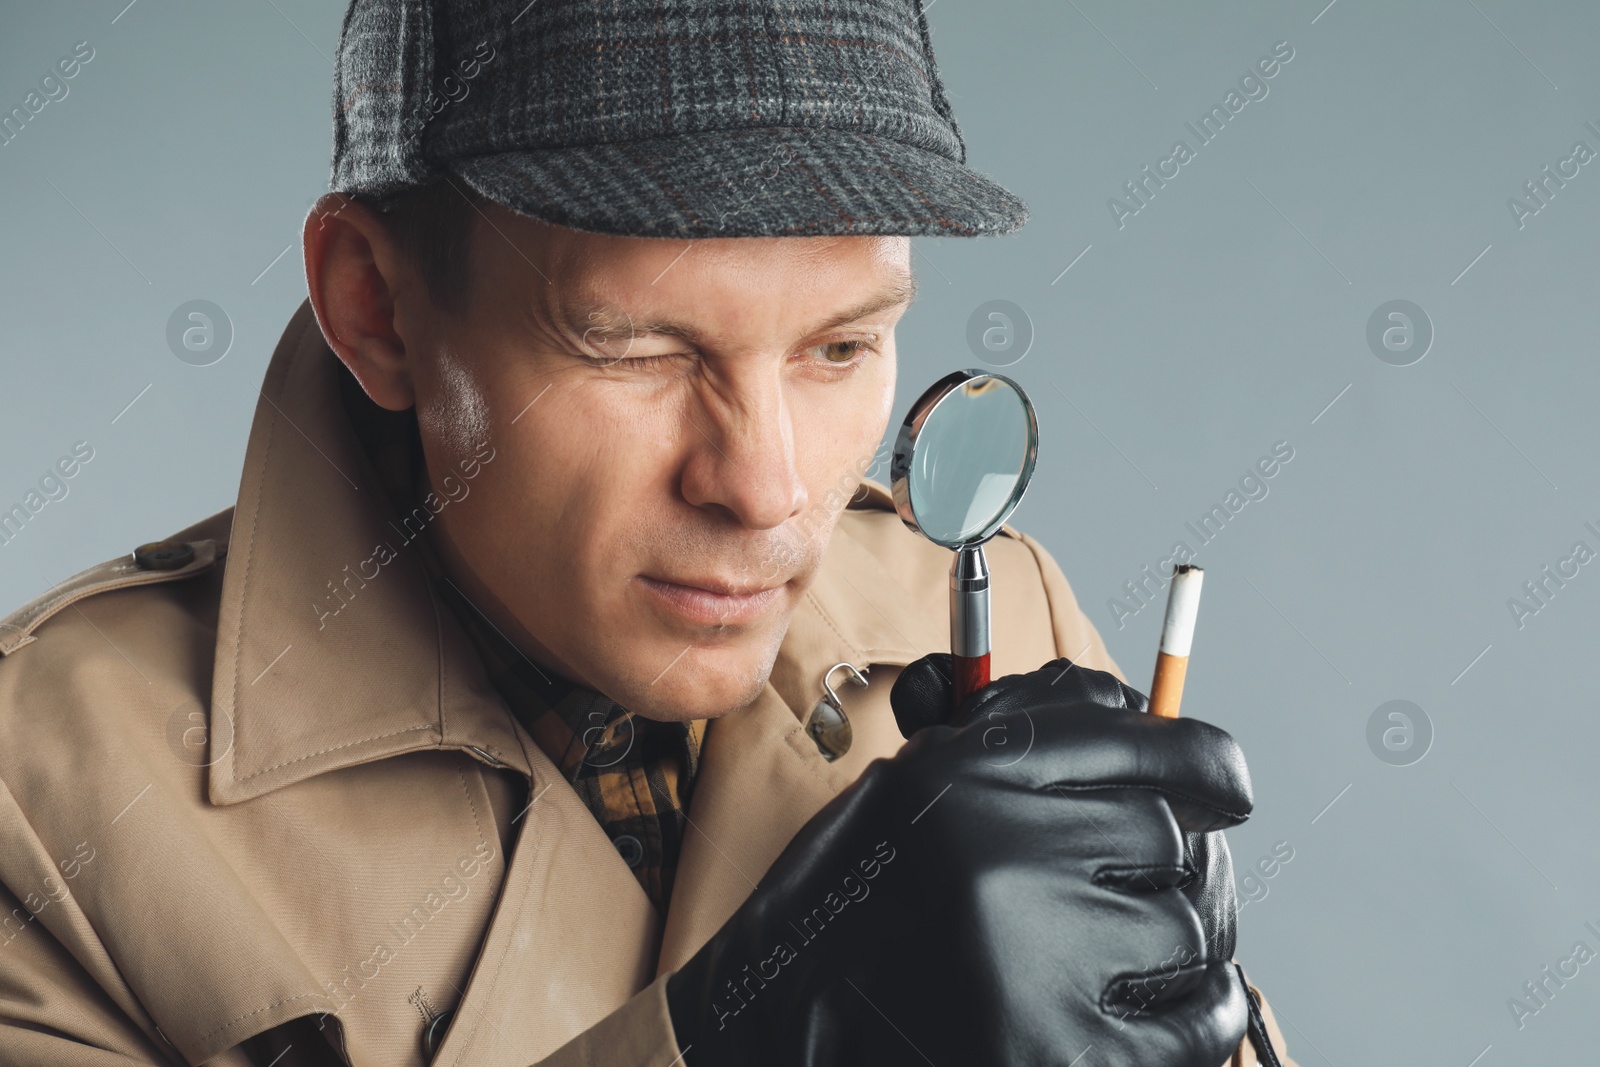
x,y
1177,635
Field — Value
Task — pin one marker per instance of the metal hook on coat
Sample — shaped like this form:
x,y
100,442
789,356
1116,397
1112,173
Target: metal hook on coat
x,y
828,725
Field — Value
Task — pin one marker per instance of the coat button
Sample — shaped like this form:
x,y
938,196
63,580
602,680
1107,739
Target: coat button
x,y
829,727
164,555
629,848
434,1034
827,724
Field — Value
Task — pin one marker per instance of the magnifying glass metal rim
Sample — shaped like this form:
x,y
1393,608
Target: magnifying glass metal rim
x,y
969,570
905,447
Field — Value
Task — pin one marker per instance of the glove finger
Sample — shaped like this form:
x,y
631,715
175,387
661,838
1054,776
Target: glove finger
x,y
1212,891
1197,767
1107,740
1067,682
1074,682
922,694
1155,950
1200,1030
1128,838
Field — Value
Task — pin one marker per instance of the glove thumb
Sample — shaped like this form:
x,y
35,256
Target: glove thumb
x,y
923,693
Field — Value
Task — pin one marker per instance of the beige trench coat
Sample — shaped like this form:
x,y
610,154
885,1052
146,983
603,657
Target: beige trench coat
x,y
221,810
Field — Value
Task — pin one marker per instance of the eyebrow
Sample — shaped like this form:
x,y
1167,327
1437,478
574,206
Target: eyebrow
x,y
607,322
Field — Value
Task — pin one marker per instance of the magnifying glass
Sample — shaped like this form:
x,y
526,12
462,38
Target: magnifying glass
x,y
961,463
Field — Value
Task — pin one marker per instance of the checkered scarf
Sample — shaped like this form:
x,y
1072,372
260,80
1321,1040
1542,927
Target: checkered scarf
x,y
634,774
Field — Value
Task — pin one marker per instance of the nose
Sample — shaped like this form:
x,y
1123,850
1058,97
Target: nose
x,y
742,454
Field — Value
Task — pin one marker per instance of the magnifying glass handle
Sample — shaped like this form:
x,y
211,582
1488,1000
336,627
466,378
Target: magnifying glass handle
x,y
969,621
972,674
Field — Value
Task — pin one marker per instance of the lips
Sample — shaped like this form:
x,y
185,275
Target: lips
x,y
710,601
719,587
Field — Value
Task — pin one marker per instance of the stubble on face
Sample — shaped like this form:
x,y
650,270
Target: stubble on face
x,y
623,491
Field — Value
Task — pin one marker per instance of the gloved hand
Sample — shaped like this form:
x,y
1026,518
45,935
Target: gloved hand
x,y
972,903
926,687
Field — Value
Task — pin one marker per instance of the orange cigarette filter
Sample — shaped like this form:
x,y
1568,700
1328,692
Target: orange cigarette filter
x,y
1177,636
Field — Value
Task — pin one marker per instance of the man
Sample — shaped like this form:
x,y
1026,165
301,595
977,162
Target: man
x,y
477,731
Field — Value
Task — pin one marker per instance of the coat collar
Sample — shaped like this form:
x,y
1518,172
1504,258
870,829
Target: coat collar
x,y
327,657
330,652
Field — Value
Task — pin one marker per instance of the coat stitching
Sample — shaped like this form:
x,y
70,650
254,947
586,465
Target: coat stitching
x,y
333,748
250,544
471,804
258,1011
238,643
249,560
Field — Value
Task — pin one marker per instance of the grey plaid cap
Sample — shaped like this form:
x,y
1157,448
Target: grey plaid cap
x,y
664,118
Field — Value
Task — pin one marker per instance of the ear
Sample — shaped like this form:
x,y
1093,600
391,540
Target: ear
x,y
355,272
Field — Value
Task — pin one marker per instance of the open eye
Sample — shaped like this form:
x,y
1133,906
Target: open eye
x,y
843,351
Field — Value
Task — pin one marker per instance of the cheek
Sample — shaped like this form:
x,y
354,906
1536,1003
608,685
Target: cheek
x,y
579,475
878,404
838,429
453,409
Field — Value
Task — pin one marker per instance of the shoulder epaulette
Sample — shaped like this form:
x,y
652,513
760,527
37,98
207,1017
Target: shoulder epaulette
x,y
159,561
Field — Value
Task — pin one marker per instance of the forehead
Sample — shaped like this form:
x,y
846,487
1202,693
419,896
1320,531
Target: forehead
x,y
566,275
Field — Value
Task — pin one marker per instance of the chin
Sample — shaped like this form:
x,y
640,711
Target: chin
x,y
705,683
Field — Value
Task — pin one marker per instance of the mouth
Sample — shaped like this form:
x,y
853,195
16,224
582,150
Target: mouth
x,y
711,601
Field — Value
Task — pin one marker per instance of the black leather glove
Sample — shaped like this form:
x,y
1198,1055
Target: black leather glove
x,y
968,902
922,698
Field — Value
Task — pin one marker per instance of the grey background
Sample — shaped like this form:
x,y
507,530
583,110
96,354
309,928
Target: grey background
x,y
1222,318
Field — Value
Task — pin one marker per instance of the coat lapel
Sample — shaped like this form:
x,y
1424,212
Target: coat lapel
x,y
573,937
330,653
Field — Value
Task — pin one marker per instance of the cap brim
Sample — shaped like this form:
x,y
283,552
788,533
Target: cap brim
x,y
763,182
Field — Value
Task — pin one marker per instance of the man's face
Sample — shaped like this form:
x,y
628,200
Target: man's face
x,y
675,427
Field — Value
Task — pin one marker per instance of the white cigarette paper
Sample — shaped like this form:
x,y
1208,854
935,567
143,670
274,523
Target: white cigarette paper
x,y
1183,605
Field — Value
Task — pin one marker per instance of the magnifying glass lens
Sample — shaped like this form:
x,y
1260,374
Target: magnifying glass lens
x,y
961,464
